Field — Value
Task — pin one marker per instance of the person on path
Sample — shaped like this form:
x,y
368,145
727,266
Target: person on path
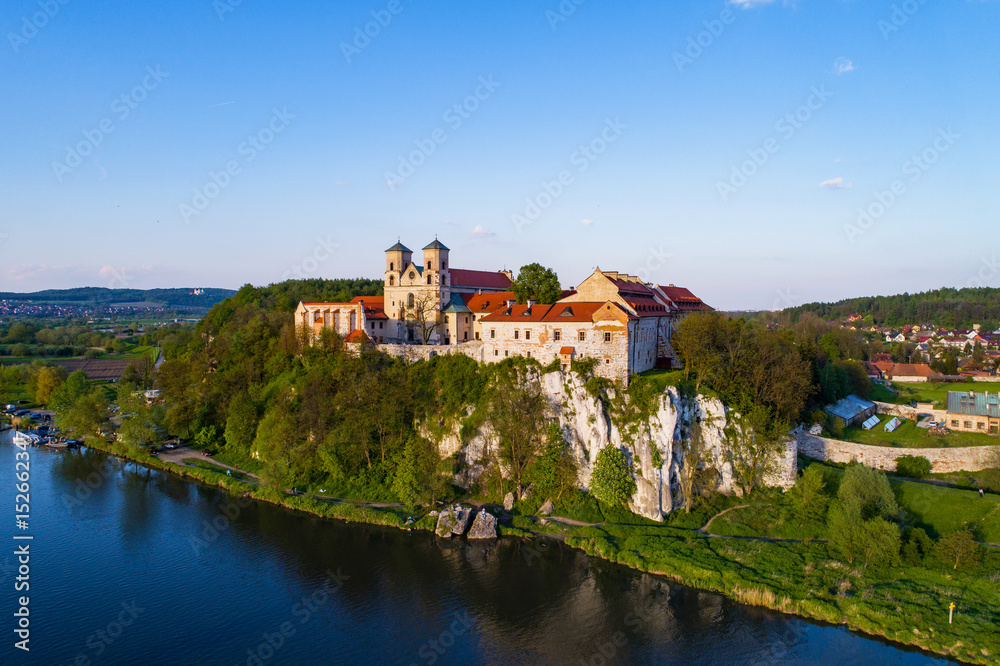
x,y
982,493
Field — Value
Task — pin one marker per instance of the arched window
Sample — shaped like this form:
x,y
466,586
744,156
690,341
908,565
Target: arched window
x,y
392,280
444,279
429,265
409,301
444,265
428,279
392,266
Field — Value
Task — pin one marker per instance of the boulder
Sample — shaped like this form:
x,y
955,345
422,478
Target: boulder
x,y
508,501
433,514
453,522
526,493
484,526
546,508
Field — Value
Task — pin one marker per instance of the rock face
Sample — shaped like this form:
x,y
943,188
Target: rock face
x,y
453,522
508,501
656,448
484,526
547,508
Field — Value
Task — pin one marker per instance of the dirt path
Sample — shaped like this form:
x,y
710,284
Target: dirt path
x,y
704,528
178,455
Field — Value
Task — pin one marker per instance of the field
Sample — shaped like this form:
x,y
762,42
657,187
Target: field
x,y
934,392
909,435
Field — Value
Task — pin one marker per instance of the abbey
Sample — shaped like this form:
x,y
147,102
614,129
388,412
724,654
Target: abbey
x,y
622,323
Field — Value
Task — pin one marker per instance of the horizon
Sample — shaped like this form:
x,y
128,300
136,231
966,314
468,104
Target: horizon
x,y
763,154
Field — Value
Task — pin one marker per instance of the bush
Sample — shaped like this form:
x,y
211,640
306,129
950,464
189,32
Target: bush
x,y
959,549
916,547
914,467
612,481
809,497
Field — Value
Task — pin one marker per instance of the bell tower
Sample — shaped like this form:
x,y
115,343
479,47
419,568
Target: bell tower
x,y
437,270
397,258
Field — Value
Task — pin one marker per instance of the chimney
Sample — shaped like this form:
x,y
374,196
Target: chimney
x,y
531,302
511,303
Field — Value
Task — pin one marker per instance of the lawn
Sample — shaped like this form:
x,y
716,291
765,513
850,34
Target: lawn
x,y
204,464
934,392
909,435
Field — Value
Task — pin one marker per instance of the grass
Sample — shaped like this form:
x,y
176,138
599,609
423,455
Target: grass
x,y
935,392
211,467
909,435
662,379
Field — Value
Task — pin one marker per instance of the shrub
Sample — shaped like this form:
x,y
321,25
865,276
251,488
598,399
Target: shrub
x,y
865,493
612,481
959,549
915,467
809,497
917,546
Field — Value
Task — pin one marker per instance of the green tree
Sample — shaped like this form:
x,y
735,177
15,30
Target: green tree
x,y
915,467
554,470
754,445
875,540
612,481
809,497
916,547
865,493
696,473
44,380
516,412
137,428
959,549
534,281
241,423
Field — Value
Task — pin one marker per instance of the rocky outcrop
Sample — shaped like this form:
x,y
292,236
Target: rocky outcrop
x,y
656,447
484,526
453,522
547,508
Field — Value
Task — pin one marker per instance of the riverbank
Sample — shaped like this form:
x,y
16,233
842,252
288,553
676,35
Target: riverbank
x,y
907,607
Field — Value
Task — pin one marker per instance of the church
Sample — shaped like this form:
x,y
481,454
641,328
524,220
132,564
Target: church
x,y
428,308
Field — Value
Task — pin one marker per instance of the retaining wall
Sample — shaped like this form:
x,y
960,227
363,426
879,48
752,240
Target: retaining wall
x,y
969,459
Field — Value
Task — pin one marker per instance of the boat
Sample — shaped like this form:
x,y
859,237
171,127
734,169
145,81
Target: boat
x,y
26,438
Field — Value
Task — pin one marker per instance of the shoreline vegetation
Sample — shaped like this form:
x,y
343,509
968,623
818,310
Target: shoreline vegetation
x,y
907,607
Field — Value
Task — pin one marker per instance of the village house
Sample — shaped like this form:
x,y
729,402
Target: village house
x,y
622,323
969,411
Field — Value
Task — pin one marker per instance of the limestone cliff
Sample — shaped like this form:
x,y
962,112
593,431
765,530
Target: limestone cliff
x,y
656,448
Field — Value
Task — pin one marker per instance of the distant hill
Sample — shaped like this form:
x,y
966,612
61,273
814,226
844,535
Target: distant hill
x,y
946,307
169,298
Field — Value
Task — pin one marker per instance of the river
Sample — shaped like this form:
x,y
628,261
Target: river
x,y
134,566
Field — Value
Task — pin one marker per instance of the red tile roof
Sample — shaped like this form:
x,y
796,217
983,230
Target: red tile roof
x,y
646,307
523,313
567,351
553,314
683,298
488,302
480,279
357,335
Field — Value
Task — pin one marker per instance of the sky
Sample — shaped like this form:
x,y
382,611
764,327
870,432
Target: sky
x,y
762,153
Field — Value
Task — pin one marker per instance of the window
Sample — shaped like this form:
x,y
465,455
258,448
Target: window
x,y
493,333
981,425
413,276
477,335
607,361
428,278
583,336
506,352
968,424
517,334
557,335
392,266
444,279
607,336
444,265
954,424
409,300
380,325
496,352
527,334
392,280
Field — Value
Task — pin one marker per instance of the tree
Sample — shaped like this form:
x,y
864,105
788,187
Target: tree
x,y
694,342
424,316
554,470
754,446
516,412
694,474
865,493
536,282
915,467
876,540
959,549
612,481
44,380
241,423
809,496
406,483
917,547
137,429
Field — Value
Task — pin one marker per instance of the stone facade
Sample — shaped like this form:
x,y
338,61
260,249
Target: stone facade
x,y
968,459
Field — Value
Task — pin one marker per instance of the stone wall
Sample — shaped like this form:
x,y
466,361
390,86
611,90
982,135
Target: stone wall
x,y
902,411
413,353
969,459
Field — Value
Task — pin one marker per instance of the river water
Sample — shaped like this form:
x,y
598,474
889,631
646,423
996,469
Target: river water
x,y
133,566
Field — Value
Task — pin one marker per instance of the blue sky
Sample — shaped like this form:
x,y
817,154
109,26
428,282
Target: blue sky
x,y
727,147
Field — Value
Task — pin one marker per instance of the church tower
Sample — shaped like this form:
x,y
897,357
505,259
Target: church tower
x,y
397,258
437,271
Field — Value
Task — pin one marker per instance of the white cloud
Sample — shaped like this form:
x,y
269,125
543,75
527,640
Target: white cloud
x,y
479,232
451,223
586,223
843,66
835,184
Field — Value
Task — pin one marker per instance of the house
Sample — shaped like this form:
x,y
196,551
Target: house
x,y
969,411
363,313
852,410
893,336
907,372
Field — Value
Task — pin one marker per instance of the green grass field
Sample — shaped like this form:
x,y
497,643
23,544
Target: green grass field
x,y
909,435
934,392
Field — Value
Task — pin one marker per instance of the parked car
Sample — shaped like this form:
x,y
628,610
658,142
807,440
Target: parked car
x,y
206,452
170,445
